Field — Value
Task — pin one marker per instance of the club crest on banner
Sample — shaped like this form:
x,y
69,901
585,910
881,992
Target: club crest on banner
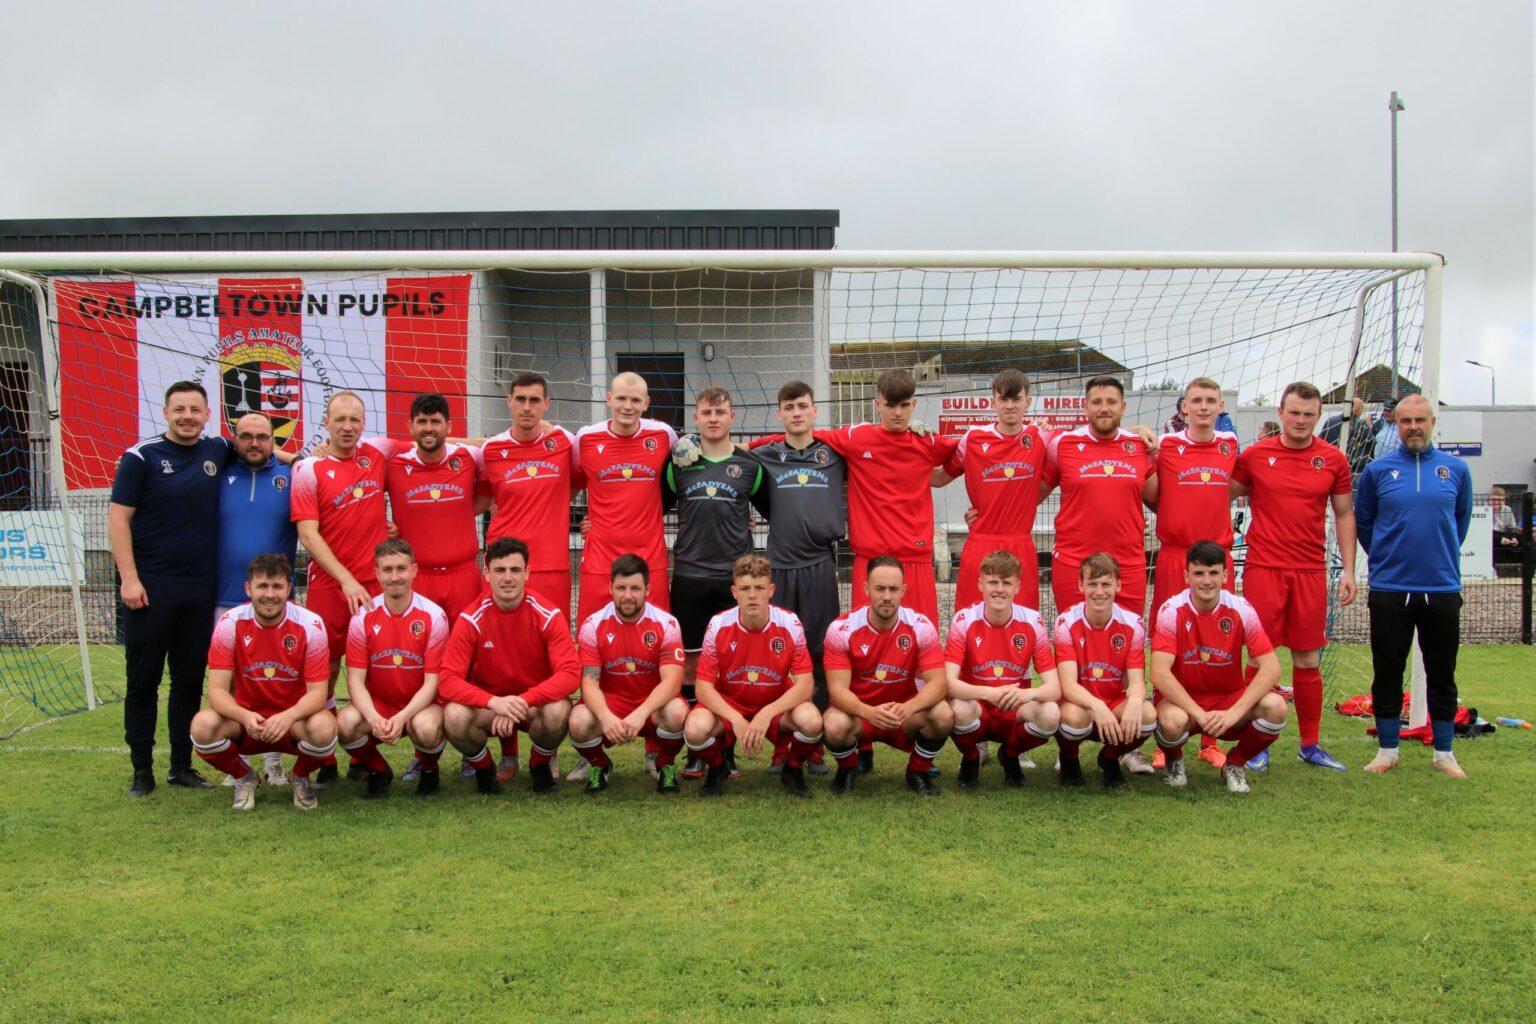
x,y
263,371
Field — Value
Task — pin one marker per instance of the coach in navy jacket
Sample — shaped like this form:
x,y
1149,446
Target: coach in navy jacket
x,y
1413,507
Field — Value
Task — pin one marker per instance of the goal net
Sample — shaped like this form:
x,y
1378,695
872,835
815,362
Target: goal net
x,y
84,375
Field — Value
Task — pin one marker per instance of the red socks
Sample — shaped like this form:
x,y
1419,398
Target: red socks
x,y
801,747
509,745
540,756
224,756
923,753
1256,737
482,761
1307,689
365,752
428,756
968,742
312,757
668,746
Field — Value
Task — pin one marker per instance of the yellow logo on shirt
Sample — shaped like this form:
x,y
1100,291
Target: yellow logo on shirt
x,y
802,477
997,670
436,492
357,492
629,666
397,659
751,677
533,470
1008,472
880,673
269,672
626,473
1098,673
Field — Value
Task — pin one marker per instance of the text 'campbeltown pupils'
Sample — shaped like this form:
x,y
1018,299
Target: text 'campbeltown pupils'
x,y
260,304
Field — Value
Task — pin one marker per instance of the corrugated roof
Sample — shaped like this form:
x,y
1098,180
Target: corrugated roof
x,y
1036,358
540,230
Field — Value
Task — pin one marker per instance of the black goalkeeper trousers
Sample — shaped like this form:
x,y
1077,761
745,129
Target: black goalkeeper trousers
x,y
1395,617
173,629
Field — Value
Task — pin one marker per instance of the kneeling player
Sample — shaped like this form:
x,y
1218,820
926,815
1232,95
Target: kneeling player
x,y
1197,670
394,654
268,672
986,658
1101,660
510,665
885,681
631,675
754,682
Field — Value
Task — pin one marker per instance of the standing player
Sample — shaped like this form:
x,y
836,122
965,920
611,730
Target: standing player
x,y
1002,466
432,490
631,678
714,522
162,525
266,686
890,500
986,658
1101,469
531,478
254,518
754,682
1101,661
621,460
510,666
1189,488
885,677
1197,671
338,505
1291,481
394,654
803,500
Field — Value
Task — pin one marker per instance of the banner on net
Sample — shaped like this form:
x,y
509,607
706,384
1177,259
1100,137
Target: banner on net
x,y
275,345
33,551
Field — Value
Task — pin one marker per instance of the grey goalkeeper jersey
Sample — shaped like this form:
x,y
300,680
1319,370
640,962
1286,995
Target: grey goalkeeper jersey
x,y
714,514
806,507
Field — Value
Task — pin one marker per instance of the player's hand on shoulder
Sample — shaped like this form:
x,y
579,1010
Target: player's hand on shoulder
x,y
321,450
920,428
686,451
1149,437
391,529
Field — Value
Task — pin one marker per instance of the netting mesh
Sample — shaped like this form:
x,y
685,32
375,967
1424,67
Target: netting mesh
x,y
283,343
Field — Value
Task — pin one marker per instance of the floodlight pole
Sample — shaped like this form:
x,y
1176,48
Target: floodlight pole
x,y
1394,105
1493,391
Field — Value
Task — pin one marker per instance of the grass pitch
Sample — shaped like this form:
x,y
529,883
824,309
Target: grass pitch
x,y
1317,897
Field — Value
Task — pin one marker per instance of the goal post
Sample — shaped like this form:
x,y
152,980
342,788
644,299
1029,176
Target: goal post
x,y
278,331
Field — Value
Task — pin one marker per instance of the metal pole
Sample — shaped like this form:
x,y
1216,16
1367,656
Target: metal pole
x,y
1527,567
1394,105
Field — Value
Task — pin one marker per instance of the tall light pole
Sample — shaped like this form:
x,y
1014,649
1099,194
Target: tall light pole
x,y
1493,391
1394,105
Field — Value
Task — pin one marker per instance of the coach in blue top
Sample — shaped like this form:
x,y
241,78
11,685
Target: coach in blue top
x,y
253,508
163,525
1413,507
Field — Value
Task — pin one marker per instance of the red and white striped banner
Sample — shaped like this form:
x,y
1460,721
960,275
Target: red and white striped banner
x,y
280,346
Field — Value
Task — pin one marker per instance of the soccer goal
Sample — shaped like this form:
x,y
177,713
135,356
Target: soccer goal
x,y
89,342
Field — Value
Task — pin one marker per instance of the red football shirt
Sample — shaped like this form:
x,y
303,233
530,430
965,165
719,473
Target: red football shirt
x,y
1207,647
346,497
623,476
1193,503
629,656
752,668
890,499
272,665
433,503
526,652
1002,478
531,483
991,655
398,650
1101,481
1288,491
1105,654
886,667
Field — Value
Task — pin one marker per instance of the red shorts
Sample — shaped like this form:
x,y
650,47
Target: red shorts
x,y
1067,586
1169,579
977,548
1210,702
453,589
555,587
776,725
247,745
1292,605
597,591
896,737
997,725
623,708
922,589
1093,730
326,600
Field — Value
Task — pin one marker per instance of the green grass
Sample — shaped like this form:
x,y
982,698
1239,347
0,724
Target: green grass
x,y
1318,897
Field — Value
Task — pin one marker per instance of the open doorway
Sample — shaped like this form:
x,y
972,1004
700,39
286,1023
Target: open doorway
x,y
665,377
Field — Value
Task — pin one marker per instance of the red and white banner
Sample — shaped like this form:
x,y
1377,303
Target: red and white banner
x,y
959,413
280,346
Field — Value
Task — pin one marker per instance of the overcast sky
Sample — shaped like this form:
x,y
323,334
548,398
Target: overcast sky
x,y
1073,125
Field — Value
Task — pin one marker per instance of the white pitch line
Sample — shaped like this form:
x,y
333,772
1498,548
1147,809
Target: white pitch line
x,y
10,749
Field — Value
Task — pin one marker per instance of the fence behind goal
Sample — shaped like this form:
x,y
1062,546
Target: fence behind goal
x,y
277,332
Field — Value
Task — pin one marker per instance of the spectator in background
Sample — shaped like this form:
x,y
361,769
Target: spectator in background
x,y
1269,429
1362,437
1387,440
1506,528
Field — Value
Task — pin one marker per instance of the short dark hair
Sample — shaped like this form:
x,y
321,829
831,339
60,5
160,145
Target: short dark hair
x,y
505,547
269,565
795,389
184,385
1304,390
884,562
896,386
430,404
529,379
629,565
1010,384
1103,380
712,396
1206,552
393,546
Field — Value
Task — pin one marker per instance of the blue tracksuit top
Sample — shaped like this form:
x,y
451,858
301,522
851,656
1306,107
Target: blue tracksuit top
x,y
1412,511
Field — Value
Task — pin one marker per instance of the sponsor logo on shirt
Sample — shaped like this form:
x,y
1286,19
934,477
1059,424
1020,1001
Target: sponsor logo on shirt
x,y
165,466
271,670
1203,655
397,657
430,492
802,476
1105,467
1008,471
710,490
624,472
533,470
1102,670
1201,475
